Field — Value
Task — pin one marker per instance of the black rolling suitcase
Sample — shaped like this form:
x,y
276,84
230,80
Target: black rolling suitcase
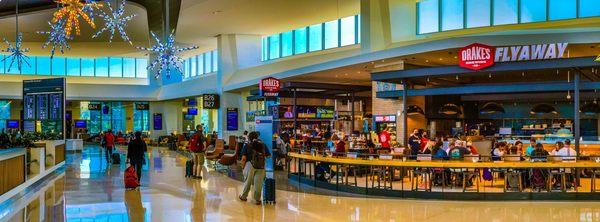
x,y
269,191
189,165
116,158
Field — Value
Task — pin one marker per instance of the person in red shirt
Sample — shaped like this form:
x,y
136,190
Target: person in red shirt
x,y
340,146
472,148
109,140
197,146
424,139
385,138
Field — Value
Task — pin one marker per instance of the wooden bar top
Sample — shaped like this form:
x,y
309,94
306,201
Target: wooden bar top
x,y
448,163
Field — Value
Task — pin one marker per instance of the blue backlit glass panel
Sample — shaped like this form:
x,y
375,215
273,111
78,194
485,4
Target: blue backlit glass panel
x,y
207,62
59,66
589,8
87,67
43,65
73,67
102,67
452,14
142,71
29,69
562,9
273,47
428,16
300,38
315,37
331,34
348,31
533,11
215,62
506,12
286,43
129,67
116,67
478,13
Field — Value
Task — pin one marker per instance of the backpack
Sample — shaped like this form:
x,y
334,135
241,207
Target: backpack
x,y
258,158
196,144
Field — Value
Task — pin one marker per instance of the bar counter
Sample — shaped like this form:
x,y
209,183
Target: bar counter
x,y
447,163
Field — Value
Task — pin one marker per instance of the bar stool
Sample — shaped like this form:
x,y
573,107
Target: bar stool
x,y
422,175
346,169
439,173
381,173
470,173
512,173
561,175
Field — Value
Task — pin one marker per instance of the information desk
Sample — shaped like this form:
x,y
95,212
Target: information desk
x,y
449,179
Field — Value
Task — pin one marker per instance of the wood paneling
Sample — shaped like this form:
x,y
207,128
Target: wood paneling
x,y
12,173
60,154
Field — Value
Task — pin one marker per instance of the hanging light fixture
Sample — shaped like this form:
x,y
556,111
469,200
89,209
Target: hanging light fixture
x,y
450,109
543,108
590,109
414,110
491,107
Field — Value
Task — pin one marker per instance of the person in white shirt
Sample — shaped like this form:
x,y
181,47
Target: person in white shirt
x,y
566,150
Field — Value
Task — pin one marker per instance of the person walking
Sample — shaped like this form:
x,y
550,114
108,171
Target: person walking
x,y
136,152
256,152
109,141
197,146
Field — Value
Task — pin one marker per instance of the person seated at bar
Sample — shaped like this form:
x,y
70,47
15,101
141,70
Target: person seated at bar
x,y
340,146
472,148
498,151
459,151
428,148
559,145
566,150
519,147
538,176
438,151
539,153
531,147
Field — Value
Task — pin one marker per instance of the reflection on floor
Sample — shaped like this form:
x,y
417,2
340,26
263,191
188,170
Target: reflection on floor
x,y
91,190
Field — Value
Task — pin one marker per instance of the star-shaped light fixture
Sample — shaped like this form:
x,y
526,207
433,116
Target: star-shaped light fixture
x,y
57,36
17,54
70,11
115,21
167,55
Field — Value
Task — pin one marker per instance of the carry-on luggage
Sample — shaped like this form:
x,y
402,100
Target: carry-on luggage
x,y
130,178
269,191
189,166
116,158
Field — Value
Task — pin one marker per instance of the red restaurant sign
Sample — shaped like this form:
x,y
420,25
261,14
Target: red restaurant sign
x,y
269,87
476,56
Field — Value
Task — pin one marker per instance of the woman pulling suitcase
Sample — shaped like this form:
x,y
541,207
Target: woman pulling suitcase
x,y
136,153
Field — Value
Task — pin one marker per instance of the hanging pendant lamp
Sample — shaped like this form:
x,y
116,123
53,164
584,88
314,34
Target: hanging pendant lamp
x,y
414,110
450,109
491,107
543,108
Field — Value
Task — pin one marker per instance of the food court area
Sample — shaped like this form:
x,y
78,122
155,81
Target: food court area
x,y
465,126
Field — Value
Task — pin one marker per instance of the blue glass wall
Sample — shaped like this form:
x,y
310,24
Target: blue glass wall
x,y
442,15
201,64
116,67
327,35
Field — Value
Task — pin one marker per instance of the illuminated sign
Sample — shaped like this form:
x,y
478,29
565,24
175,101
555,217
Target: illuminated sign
x,y
476,56
269,87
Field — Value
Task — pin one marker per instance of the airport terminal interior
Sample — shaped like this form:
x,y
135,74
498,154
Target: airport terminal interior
x,y
312,110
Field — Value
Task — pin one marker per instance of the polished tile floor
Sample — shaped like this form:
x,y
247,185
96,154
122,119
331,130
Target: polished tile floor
x,y
91,190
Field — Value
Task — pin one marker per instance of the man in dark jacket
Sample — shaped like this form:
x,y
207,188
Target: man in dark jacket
x,y
136,153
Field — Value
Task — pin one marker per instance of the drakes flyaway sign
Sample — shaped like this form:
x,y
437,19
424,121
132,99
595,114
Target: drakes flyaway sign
x,y
478,56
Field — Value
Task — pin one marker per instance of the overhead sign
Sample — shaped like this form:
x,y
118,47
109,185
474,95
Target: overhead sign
x,y
479,56
210,101
385,119
476,56
269,87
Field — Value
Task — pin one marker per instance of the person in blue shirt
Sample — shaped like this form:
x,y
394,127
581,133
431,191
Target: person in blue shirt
x,y
531,147
438,152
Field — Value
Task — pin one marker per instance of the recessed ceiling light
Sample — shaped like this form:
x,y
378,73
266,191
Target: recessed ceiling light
x,y
456,57
427,60
441,59
216,12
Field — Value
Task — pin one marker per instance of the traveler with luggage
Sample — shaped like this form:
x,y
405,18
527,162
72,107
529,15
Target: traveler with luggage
x,y
136,152
197,146
109,141
256,152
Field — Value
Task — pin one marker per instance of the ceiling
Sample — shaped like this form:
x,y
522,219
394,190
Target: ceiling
x,y
200,21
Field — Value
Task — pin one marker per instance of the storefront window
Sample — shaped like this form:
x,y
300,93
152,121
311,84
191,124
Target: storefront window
x,y
562,9
118,117
505,12
452,14
428,16
589,8
140,119
533,11
105,116
478,13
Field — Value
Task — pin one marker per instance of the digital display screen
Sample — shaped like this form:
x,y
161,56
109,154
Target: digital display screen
x,y
325,112
42,107
56,106
105,110
192,111
80,124
192,102
307,112
12,124
385,119
232,119
157,119
29,107
29,126
188,117
142,106
286,112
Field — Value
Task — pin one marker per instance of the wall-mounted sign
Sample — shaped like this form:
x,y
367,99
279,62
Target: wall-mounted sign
x,y
94,106
385,119
232,119
531,52
142,106
44,99
476,56
269,87
157,120
210,101
479,56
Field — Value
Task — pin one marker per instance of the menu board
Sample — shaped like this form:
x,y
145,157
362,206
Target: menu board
x,y
42,106
232,119
306,112
325,112
29,107
56,106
